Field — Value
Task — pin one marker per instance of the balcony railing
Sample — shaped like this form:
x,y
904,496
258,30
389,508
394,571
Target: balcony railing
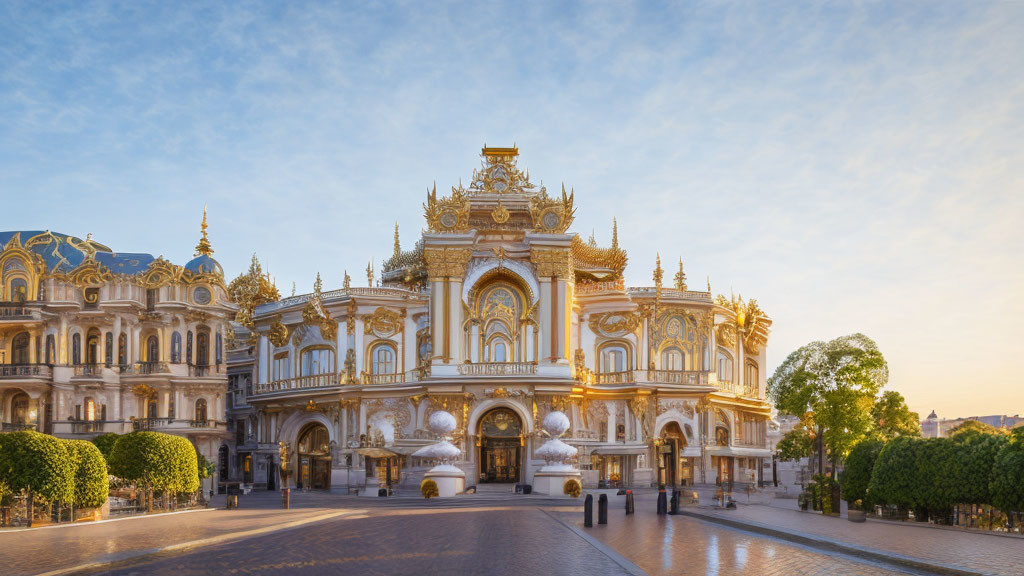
x,y
204,423
414,375
146,368
681,377
199,369
90,369
87,426
17,426
622,377
299,383
150,423
14,311
24,371
498,369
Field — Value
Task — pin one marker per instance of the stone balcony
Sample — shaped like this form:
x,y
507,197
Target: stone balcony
x,y
25,372
298,384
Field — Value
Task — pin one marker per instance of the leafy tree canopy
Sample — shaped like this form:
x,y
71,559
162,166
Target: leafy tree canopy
x,y
91,483
1006,484
893,418
795,444
105,442
974,427
37,462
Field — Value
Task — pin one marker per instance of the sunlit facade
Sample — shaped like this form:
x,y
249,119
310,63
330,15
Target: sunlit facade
x,y
498,314
95,341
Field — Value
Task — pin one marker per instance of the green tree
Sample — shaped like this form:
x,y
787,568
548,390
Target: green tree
x,y
39,464
894,476
185,464
837,381
893,418
206,468
105,442
974,426
795,444
856,475
157,462
91,484
974,457
1006,482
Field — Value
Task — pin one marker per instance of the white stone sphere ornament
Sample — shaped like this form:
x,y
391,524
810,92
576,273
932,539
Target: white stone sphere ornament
x,y
441,423
554,452
556,423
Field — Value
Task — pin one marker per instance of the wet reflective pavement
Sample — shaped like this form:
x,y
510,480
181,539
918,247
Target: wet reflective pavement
x,y
506,541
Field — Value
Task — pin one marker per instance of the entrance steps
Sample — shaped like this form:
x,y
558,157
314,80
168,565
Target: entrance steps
x,y
495,488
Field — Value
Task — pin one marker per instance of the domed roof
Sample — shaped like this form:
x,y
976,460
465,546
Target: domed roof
x,y
204,264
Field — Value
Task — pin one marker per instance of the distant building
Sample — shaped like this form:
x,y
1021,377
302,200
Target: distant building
x,y
935,427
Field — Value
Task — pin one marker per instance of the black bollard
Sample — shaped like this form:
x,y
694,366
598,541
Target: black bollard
x,y
674,509
588,511
602,509
629,501
662,500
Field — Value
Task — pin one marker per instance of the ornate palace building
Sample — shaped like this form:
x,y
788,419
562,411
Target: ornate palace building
x,y
95,341
498,315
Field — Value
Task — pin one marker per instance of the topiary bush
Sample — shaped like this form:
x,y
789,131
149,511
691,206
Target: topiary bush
x,y
105,442
854,479
572,487
186,465
893,479
91,482
1006,484
156,461
429,488
37,463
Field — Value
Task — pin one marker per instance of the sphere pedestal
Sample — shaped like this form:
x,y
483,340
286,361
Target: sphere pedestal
x,y
552,482
450,480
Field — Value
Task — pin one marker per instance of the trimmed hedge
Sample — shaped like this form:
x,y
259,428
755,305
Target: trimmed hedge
x,y
38,463
91,484
1006,486
856,477
160,462
105,442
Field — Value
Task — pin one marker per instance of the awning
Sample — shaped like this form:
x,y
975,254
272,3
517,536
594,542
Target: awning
x,y
619,450
377,453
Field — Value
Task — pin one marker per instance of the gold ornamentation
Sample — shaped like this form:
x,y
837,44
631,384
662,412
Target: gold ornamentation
x,y
383,322
748,323
369,274
251,289
447,262
500,214
349,377
552,262
680,278
88,274
551,215
160,273
204,246
449,214
658,275
604,263
614,323
144,391
347,283
314,314
278,333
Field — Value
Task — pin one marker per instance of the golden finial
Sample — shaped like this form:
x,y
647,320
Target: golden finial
x,y
293,287
681,277
398,246
592,241
658,272
204,247
615,234
348,281
318,285
369,273
709,284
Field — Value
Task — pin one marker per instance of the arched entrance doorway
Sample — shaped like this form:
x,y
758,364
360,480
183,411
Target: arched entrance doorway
x,y
314,451
672,467
501,446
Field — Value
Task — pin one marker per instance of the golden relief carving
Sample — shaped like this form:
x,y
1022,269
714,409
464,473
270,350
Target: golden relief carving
x,y
144,391
314,314
447,262
251,289
383,322
614,323
160,273
589,257
552,262
449,214
88,274
500,214
278,333
350,318
552,215
749,324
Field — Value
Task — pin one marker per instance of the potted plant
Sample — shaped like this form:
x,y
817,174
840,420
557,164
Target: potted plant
x,y
804,500
856,512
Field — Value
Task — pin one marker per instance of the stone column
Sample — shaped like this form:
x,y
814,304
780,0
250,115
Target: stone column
x,y
263,361
612,414
358,345
436,318
547,347
561,300
457,349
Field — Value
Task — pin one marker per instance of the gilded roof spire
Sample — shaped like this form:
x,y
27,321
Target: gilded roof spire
x,y
398,245
681,277
369,273
615,234
348,281
204,247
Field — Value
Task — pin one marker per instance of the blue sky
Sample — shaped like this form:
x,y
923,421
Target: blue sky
x,y
853,166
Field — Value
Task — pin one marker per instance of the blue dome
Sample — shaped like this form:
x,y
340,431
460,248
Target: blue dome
x,y
204,264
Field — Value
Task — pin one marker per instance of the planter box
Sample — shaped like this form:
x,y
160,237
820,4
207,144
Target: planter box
x,y
856,515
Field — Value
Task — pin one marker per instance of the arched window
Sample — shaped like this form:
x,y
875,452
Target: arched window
x,y
153,349
672,359
90,409
751,383
615,357
20,348
19,409
92,346
151,408
499,350
219,346
202,348
122,349
384,359
279,370
724,367
108,348
50,345
200,414
76,348
175,347
316,361
188,347
19,290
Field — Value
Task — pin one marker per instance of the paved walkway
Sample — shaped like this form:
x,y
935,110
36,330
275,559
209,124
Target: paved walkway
x,y
967,551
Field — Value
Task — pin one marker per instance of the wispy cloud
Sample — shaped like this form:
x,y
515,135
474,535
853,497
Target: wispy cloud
x,y
856,167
